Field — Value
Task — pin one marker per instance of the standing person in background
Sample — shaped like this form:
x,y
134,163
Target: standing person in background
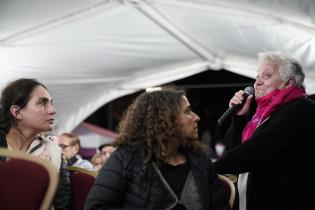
x,y
70,145
26,110
206,138
274,150
159,162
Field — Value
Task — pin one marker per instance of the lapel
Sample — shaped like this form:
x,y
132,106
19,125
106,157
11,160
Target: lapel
x,y
200,172
166,193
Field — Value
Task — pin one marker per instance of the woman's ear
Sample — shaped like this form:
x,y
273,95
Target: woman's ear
x,y
15,111
287,83
290,83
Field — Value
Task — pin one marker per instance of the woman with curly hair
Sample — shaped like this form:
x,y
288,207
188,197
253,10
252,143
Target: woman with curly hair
x,y
159,162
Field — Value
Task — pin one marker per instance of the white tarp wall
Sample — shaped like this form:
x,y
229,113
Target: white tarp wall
x,y
89,52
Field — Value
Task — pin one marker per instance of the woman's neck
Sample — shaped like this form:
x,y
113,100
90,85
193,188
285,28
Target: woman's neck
x,y
19,141
174,156
176,159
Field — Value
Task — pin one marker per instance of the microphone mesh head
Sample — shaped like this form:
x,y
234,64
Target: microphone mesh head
x,y
249,90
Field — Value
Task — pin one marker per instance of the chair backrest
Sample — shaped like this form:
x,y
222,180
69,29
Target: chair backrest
x,y
26,182
229,187
82,181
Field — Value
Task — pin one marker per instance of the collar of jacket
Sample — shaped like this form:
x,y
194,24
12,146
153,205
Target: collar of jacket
x,y
200,171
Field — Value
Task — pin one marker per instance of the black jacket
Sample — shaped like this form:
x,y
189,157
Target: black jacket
x,y
280,158
119,184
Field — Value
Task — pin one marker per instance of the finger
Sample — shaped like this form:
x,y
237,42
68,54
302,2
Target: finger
x,y
237,98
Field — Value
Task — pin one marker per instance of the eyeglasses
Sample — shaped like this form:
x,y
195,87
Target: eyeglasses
x,y
64,146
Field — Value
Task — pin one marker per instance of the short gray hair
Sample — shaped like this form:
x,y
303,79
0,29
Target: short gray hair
x,y
289,66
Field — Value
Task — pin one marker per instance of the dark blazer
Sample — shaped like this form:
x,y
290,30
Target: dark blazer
x,y
280,158
119,184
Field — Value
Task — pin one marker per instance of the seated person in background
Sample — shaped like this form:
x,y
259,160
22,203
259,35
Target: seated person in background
x,y
26,110
98,161
159,162
106,150
70,145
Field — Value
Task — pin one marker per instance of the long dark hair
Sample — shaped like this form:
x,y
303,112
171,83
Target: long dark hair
x,y
151,122
17,93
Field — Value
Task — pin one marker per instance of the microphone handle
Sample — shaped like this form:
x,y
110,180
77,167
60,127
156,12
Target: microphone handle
x,y
247,91
228,112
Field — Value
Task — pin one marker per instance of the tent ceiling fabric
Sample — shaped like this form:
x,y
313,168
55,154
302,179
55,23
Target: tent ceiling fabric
x,y
89,52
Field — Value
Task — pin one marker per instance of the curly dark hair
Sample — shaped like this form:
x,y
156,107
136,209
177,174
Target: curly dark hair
x,y
151,122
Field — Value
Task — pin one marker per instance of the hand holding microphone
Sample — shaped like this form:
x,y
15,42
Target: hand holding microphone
x,y
238,104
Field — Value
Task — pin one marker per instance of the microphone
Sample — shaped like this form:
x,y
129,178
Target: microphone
x,y
247,92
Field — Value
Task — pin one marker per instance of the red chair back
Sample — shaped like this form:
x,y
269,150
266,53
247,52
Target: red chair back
x,y
81,183
26,182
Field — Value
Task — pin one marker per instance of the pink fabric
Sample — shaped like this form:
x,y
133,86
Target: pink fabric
x,y
268,104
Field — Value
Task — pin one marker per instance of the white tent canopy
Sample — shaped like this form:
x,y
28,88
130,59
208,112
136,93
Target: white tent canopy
x,y
89,52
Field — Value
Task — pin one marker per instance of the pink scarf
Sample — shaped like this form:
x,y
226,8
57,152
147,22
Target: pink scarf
x,y
268,104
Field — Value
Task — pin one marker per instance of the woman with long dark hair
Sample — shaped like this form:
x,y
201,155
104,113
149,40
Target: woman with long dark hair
x,y
26,110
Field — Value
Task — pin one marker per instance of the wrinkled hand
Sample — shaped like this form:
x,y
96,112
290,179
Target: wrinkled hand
x,y
238,99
